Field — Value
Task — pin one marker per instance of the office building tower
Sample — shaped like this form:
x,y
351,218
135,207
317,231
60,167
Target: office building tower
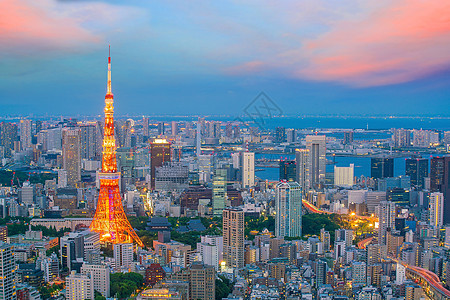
x,y
100,276
25,134
386,213
248,169
373,254
417,170
62,178
219,191
71,155
7,272
8,136
325,238
348,137
233,237
343,176
211,250
88,141
321,273
401,137
287,170
302,169
123,255
145,127
291,135
381,167
440,181
202,281
160,154
161,129
280,135
316,144
174,128
358,273
79,286
3,233
345,235
436,209
288,206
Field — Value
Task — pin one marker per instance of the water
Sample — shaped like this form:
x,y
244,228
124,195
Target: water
x,y
362,165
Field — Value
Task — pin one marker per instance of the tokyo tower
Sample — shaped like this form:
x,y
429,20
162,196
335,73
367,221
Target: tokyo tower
x,y
110,219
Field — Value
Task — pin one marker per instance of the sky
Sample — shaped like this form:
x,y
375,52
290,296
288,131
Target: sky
x,y
328,57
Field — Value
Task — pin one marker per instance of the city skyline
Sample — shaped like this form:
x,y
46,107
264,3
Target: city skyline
x,y
309,57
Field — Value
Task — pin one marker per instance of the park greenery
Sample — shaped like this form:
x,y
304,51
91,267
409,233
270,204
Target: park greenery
x,y
125,284
223,287
21,176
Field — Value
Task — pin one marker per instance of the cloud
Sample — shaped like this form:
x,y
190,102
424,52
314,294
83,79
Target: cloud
x,y
47,27
365,44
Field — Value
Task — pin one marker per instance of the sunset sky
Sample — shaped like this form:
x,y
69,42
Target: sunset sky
x,y
212,57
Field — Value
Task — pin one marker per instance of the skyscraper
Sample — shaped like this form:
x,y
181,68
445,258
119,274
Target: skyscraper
x,y
401,137
316,144
288,205
233,237
8,137
7,272
248,169
348,137
287,170
79,286
436,209
25,134
386,214
88,141
302,168
219,191
161,129
381,167
417,170
145,127
110,219
174,128
440,181
280,135
71,155
202,281
343,176
160,153
100,276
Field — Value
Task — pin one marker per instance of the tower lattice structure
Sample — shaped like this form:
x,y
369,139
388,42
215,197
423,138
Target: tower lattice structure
x,y
110,219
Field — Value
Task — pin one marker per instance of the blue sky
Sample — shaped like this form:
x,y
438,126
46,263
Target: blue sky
x,y
199,57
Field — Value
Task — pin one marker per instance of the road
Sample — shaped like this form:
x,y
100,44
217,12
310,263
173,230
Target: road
x,y
363,244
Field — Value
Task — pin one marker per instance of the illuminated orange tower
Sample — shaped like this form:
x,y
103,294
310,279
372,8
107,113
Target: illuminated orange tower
x,y
110,219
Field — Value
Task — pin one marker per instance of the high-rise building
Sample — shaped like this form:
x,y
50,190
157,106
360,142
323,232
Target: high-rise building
x,y
358,273
287,170
386,214
7,272
88,141
202,281
288,206
174,128
321,273
71,155
233,237
161,129
291,135
79,286
302,168
440,181
160,154
110,220
100,276
316,144
123,255
348,137
219,191
25,134
145,127
248,169
401,137
345,235
280,135
381,167
417,170
211,250
436,209
343,176
8,137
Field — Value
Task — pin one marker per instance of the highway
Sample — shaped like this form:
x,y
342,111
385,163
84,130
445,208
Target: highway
x,y
363,244
439,292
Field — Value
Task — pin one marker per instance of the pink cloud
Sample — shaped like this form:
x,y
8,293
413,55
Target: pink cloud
x,y
367,44
400,42
31,25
